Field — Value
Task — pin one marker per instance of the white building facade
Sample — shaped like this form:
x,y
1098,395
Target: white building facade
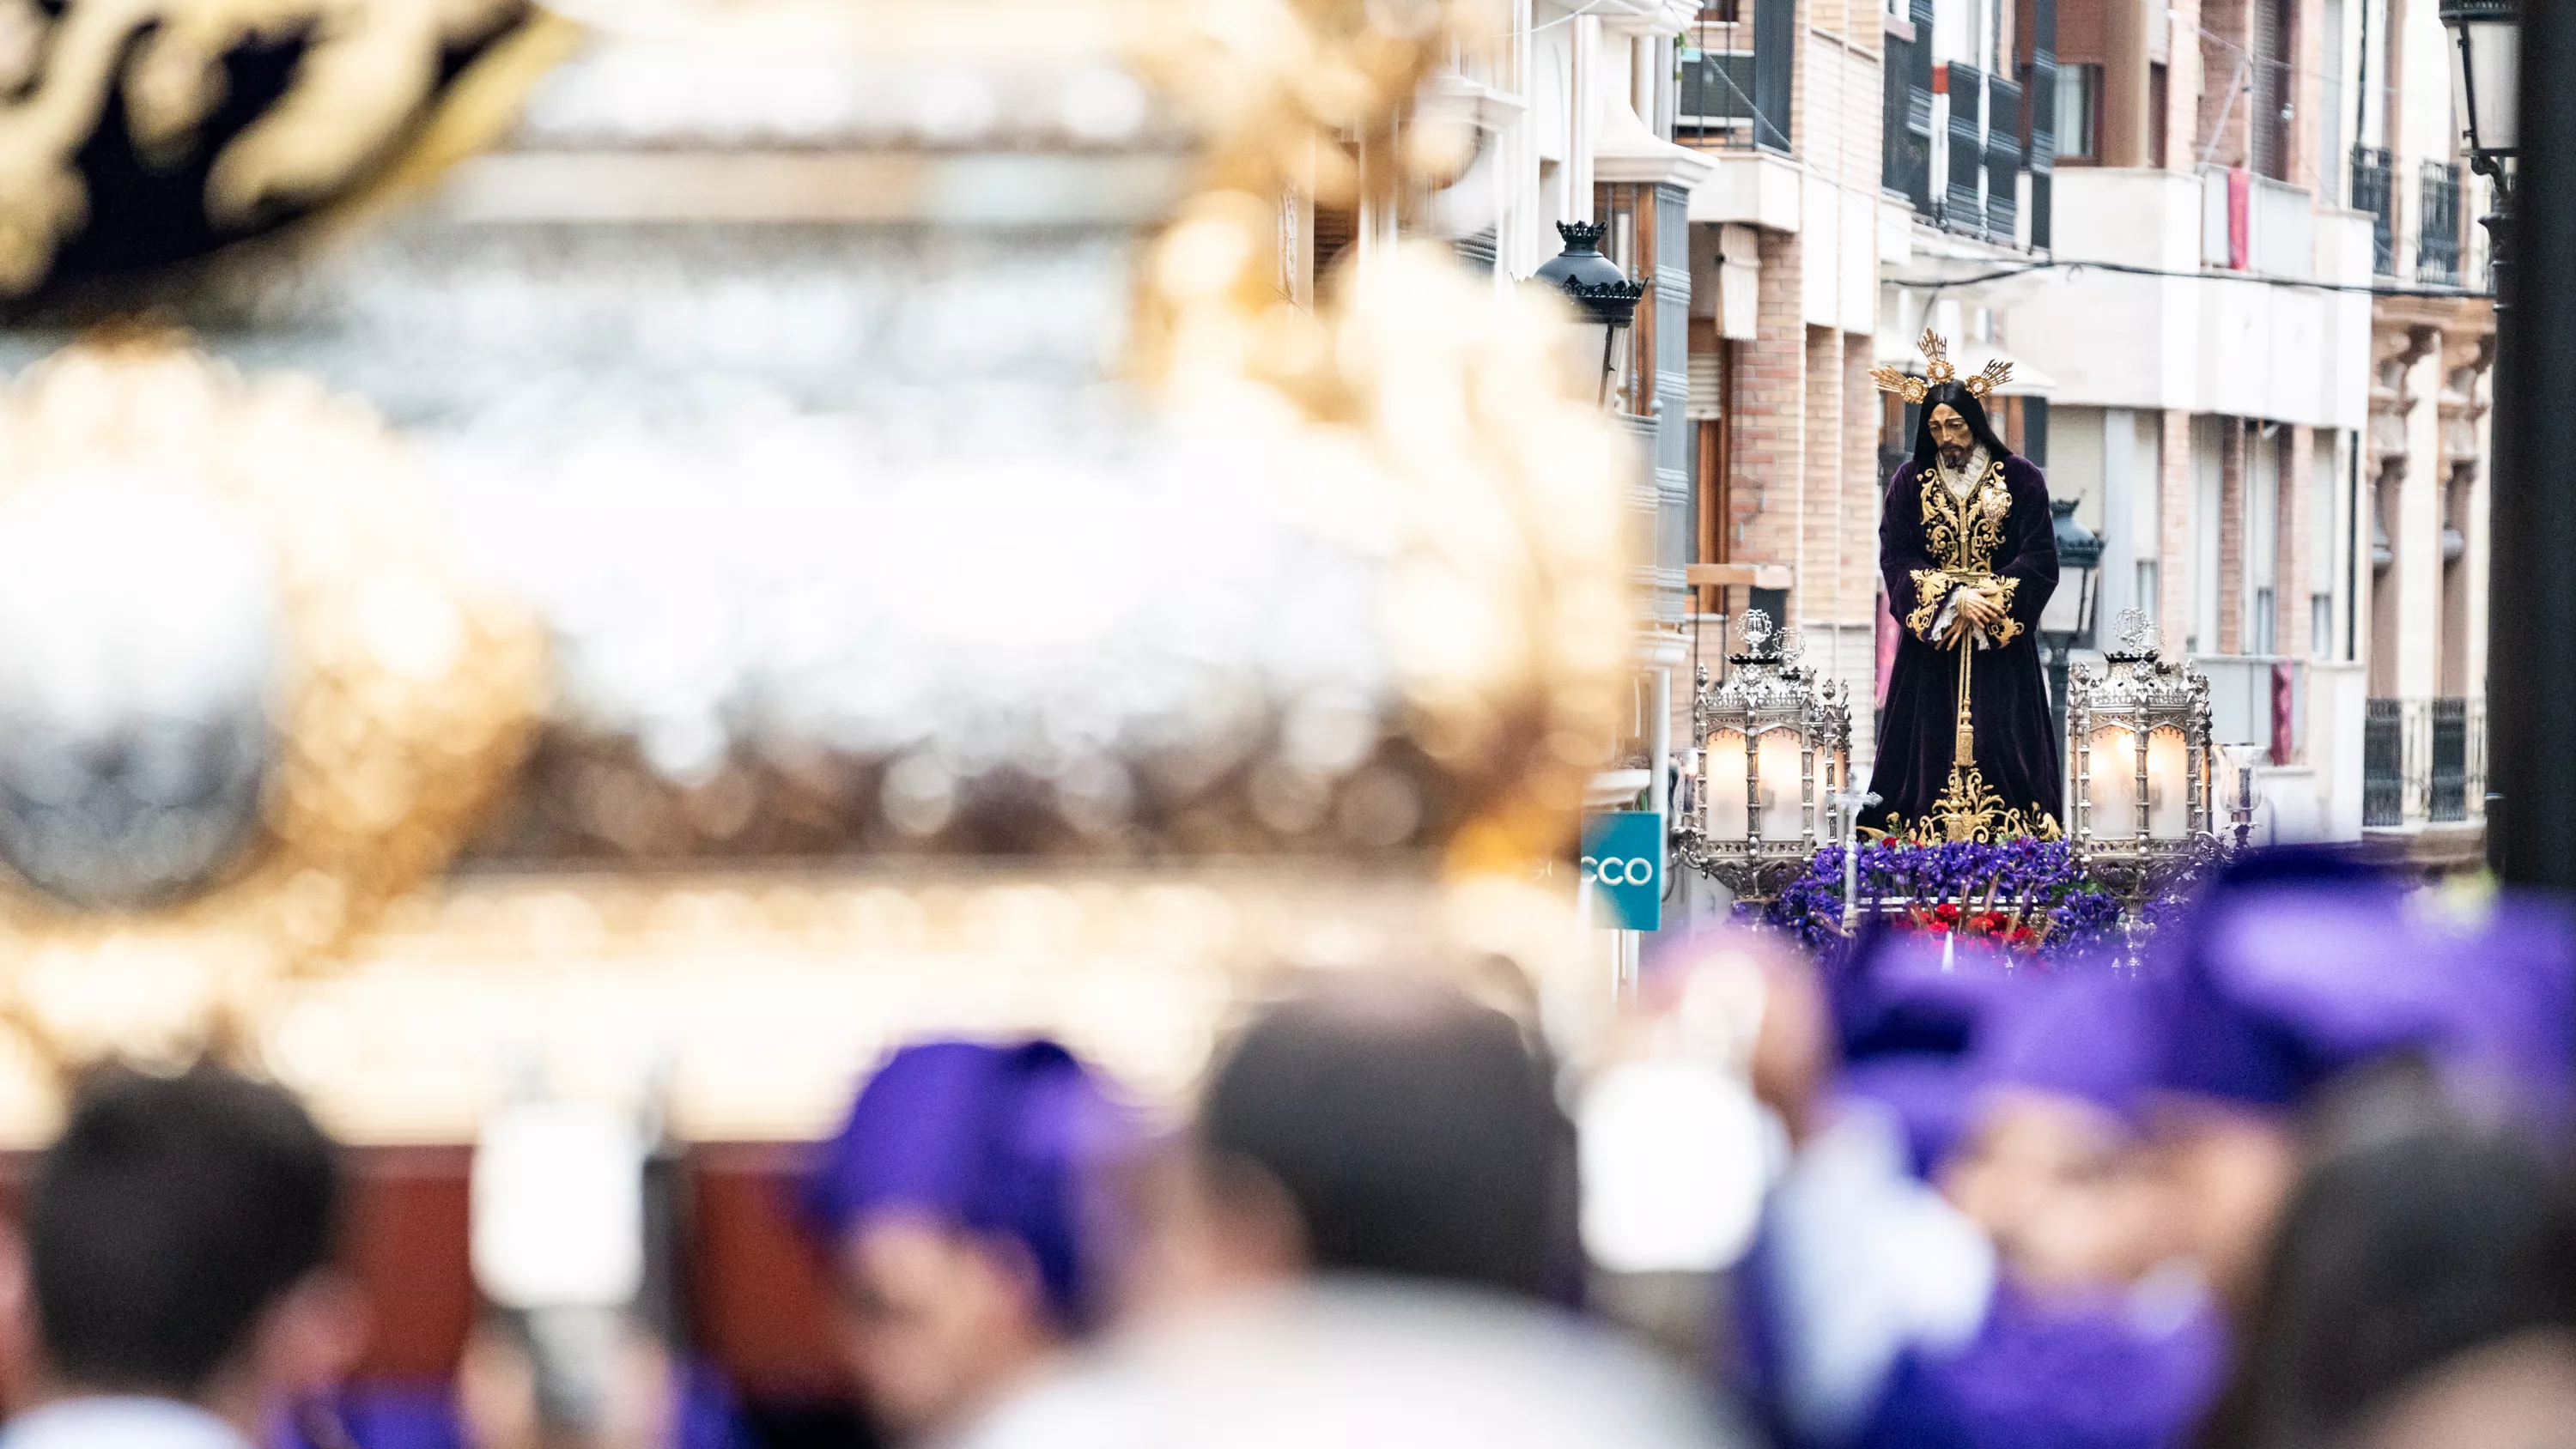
x,y
2265,391
2230,246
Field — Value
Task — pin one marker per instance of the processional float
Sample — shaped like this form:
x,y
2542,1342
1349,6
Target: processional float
x,y
1768,789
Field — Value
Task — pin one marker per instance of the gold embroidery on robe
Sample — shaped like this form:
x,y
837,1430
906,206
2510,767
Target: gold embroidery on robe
x,y
1968,811
2009,628
1965,532
1932,587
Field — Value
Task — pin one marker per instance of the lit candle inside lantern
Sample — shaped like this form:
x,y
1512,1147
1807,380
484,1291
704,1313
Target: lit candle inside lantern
x,y
2168,786
1783,785
1722,786
2112,783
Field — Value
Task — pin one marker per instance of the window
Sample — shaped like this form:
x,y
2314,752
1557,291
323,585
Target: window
x,y
2269,451
2208,443
2146,520
2159,102
2079,113
2324,494
2271,80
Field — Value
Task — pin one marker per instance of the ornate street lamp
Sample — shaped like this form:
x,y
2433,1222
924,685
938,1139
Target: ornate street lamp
x,y
2486,80
2080,549
1774,749
1604,299
2138,733
2488,72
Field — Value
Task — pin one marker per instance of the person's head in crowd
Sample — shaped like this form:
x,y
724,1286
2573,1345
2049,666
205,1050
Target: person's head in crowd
x,y
2053,1161
1406,1131
2017,1092
2420,1290
180,1242
959,1205
2299,971
1911,1027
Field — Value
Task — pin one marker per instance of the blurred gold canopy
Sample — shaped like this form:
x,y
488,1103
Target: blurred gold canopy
x,y
412,412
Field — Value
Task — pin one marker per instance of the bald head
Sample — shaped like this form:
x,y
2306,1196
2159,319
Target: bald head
x,y
1412,1129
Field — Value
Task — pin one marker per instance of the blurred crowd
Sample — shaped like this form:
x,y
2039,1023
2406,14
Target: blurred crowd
x,y
2290,1177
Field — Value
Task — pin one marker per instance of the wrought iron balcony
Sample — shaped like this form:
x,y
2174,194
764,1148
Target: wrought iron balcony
x,y
1736,67
2423,762
2437,248
2374,192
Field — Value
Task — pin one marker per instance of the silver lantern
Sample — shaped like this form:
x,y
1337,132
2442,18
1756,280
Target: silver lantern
x,y
2137,737
1773,747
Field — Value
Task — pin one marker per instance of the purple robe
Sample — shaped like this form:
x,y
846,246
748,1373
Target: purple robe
x,y
393,1415
2136,1367
1910,1024
2295,967
2126,1368
1926,540
2100,1374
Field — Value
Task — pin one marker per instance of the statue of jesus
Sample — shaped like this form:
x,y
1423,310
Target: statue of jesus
x,y
1969,551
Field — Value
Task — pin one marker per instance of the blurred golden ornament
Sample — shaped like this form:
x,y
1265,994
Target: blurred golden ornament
x,y
367,78
1423,421
408,693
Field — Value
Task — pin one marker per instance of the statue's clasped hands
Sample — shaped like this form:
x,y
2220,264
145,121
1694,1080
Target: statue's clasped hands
x,y
1976,608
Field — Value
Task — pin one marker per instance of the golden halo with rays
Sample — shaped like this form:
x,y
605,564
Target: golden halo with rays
x,y
1938,369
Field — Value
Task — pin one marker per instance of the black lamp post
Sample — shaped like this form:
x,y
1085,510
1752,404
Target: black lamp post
x,y
1604,298
2078,549
2528,529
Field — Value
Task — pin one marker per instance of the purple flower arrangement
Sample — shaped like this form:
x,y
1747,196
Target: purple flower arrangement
x,y
2024,895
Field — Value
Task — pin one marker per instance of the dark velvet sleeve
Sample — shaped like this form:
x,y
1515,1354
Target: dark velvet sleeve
x,y
2031,542
1905,555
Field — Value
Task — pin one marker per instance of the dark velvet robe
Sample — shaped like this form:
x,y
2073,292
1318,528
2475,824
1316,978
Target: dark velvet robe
x,y
1925,545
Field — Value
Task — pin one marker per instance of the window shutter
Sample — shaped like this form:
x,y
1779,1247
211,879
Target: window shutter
x,y
1906,142
1775,43
2003,159
1964,204
2042,100
1706,395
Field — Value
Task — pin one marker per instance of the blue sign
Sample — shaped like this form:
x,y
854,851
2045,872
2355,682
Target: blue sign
x,y
1623,865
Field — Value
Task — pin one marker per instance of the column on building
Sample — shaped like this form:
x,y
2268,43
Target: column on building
x,y
2426,483
1786,250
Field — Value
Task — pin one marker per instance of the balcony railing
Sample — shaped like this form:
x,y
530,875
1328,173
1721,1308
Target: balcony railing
x,y
2447,792
2374,192
2383,765
2423,762
2437,248
1735,77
